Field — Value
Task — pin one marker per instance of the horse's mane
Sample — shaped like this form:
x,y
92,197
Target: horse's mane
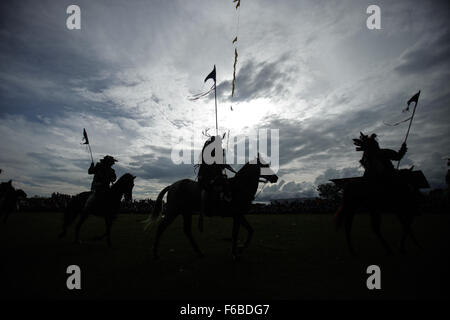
x,y
6,187
122,180
125,176
245,168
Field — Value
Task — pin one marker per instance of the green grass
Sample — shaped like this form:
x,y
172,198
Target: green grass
x,y
291,257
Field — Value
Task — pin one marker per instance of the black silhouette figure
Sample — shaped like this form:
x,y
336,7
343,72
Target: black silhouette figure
x,y
213,181
104,175
106,206
9,199
184,197
381,188
376,161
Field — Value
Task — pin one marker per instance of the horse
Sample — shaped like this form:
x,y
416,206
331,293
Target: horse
x,y
107,206
396,192
9,198
184,197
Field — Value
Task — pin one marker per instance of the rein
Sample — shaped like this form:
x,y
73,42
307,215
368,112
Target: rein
x,y
264,185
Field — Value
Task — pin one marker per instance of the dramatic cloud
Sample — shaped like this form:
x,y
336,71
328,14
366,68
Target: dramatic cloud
x,y
310,69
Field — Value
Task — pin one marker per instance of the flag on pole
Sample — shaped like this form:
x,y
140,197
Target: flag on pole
x,y
212,75
414,98
85,137
234,72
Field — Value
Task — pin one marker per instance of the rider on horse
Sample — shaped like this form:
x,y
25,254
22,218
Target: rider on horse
x,y
104,175
211,176
376,161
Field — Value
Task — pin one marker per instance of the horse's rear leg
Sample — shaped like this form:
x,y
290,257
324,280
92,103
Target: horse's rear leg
x,y
108,223
165,222
67,221
375,223
236,224
348,220
187,226
406,222
250,231
83,218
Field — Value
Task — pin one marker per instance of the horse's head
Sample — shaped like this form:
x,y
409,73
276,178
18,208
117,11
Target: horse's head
x,y
258,169
366,142
266,172
6,187
125,186
21,194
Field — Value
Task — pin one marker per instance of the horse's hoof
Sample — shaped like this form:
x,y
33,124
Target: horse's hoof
x,y
354,254
237,257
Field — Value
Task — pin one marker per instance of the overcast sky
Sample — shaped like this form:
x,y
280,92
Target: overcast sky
x,y
311,69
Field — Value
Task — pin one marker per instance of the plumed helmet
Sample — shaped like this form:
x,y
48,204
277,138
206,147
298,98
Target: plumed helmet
x,y
365,142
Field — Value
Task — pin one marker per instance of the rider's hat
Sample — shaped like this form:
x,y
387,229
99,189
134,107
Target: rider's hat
x,y
109,159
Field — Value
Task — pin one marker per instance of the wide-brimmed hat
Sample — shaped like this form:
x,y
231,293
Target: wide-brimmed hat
x,y
109,159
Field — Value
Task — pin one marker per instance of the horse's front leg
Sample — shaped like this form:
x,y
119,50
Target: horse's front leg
x,y
250,231
236,224
5,218
108,223
83,217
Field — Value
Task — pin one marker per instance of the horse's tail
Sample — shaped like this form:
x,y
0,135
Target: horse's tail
x,y
339,216
73,208
156,210
340,212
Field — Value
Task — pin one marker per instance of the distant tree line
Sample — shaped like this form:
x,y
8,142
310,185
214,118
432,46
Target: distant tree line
x,y
328,201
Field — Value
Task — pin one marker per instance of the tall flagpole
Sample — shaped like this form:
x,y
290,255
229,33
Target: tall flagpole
x,y
215,100
86,141
410,122
90,151
212,75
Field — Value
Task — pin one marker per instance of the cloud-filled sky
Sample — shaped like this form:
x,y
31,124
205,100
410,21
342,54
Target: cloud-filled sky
x,y
311,69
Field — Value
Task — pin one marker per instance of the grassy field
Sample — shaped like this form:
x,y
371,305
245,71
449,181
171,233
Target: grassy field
x,y
291,257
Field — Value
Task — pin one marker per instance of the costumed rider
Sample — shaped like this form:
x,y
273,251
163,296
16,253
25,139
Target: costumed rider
x,y
211,176
104,176
376,161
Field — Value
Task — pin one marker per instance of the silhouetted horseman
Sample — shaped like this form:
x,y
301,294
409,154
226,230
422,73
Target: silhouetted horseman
x,y
184,198
381,188
376,161
212,179
104,175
